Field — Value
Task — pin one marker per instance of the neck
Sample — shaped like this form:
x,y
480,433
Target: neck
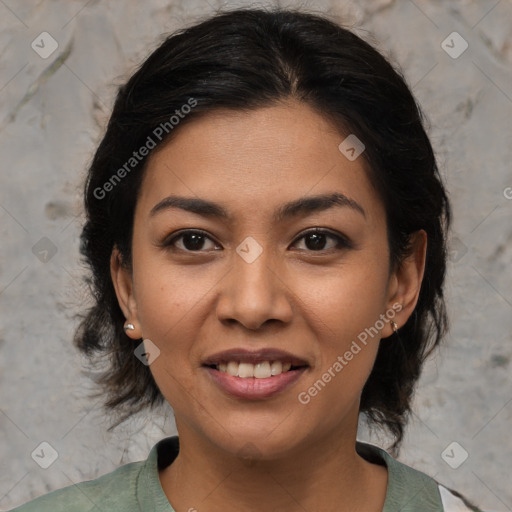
x,y
326,475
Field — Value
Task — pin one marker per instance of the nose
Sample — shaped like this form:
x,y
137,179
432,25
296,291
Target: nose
x,y
253,293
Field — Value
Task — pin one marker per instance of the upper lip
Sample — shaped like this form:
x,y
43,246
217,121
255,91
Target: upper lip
x,y
254,356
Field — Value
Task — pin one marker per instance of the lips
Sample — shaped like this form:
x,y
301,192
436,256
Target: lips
x,y
254,375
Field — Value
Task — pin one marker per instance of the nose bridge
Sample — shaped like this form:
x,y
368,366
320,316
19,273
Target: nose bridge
x,y
253,274
254,292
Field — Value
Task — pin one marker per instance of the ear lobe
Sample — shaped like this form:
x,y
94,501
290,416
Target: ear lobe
x,y
407,280
123,285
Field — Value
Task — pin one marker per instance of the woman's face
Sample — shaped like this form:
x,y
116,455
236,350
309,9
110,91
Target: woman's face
x,y
256,287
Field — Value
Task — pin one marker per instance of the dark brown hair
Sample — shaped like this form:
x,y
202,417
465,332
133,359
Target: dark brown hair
x,y
246,59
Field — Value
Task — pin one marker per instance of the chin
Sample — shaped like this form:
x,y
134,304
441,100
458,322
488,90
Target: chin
x,y
258,444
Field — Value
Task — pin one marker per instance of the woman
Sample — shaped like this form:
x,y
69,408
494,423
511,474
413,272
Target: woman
x,y
266,229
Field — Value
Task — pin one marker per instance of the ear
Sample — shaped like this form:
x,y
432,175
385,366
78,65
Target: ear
x,y
123,285
405,282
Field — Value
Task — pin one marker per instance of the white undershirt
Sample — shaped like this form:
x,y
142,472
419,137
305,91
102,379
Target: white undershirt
x,y
450,502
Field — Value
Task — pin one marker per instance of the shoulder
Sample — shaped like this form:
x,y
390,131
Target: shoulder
x,y
409,488
113,491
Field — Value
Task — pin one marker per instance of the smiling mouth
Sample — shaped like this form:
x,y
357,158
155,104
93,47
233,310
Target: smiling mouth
x,y
255,374
261,370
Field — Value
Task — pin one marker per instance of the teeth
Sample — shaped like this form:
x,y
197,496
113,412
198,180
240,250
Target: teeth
x,y
262,370
245,370
232,368
276,368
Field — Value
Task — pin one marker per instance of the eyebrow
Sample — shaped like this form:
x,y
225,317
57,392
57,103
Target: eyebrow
x,y
299,207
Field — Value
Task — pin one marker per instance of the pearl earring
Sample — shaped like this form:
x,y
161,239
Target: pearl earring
x,y
394,326
129,327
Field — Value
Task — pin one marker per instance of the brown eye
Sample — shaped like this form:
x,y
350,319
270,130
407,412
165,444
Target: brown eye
x,y
316,240
191,241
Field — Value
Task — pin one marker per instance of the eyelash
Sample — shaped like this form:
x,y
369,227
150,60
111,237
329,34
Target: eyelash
x,y
341,241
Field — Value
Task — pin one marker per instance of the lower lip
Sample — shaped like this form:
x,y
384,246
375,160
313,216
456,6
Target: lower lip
x,y
255,389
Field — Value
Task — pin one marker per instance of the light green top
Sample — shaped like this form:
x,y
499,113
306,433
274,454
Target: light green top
x,y
135,487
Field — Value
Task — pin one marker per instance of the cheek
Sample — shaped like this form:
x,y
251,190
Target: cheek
x,y
167,303
173,305
344,312
167,295
345,301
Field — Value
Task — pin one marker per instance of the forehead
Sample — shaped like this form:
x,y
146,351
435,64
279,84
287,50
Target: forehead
x,y
253,161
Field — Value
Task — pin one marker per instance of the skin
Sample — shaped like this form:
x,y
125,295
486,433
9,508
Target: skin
x,y
276,453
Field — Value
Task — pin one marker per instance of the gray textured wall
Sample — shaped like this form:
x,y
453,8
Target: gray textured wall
x,y
52,114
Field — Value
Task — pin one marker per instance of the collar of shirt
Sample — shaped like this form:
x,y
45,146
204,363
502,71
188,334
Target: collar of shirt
x,y
406,487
